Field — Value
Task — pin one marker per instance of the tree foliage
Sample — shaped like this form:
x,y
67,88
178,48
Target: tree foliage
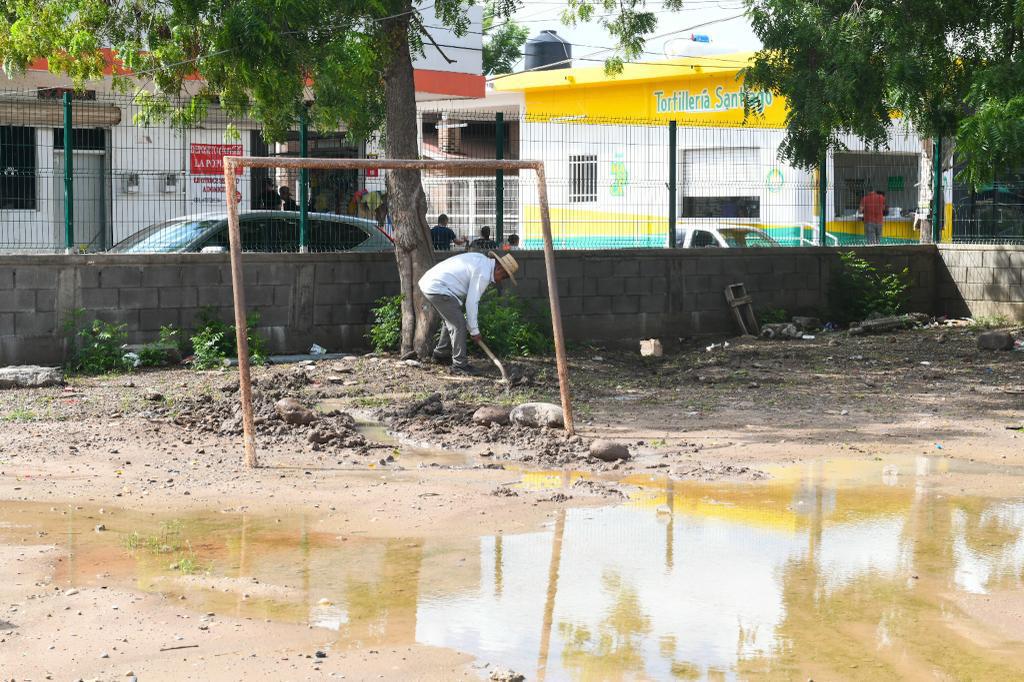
x,y
628,22
950,68
503,42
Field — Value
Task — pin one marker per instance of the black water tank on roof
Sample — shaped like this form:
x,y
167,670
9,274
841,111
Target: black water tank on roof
x,y
546,51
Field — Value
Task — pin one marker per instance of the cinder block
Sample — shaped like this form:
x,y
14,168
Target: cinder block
x,y
628,267
597,305
31,350
35,324
17,300
709,265
653,303
626,306
139,298
1004,257
6,279
283,295
119,316
99,299
327,294
217,296
152,320
208,275
46,300
323,315
178,297
598,269
273,316
162,276
257,296
609,287
42,277
571,305
87,276
115,277
638,285
274,273
6,324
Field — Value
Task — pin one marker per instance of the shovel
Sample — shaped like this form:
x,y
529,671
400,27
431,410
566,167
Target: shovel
x,y
496,361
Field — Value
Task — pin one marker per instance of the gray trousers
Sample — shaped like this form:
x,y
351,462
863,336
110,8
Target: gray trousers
x,y
453,328
873,233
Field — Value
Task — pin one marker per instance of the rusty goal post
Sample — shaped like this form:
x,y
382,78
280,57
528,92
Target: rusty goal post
x,y
233,163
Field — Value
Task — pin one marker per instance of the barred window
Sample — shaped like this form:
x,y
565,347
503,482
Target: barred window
x,y
17,167
583,176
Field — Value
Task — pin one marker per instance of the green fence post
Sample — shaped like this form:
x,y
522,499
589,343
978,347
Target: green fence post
x,y
938,215
499,178
69,187
672,184
822,200
303,184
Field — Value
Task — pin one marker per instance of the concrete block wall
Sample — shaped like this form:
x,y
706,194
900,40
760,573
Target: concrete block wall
x,y
620,296
301,299
606,296
981,280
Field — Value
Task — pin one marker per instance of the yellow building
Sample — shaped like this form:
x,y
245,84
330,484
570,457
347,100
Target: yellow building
x,y
605,143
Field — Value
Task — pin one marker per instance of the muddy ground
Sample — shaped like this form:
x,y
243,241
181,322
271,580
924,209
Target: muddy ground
x,y
395,453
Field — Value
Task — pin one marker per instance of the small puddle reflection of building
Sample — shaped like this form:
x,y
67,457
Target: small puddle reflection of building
x,y
839,570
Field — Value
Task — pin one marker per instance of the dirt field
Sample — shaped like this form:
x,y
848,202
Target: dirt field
x,y
396,462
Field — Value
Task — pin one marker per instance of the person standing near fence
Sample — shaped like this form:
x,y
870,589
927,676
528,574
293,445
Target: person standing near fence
x,y
484,242
268,198
287,203
872,207
443,236
461,281
511,243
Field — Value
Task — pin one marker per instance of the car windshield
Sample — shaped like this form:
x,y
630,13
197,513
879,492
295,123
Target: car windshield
x,y
738,239
166,237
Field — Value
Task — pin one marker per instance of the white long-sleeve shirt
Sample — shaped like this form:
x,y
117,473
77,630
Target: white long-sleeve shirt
x,y
464,277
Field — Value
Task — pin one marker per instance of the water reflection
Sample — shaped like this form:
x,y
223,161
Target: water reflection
x,y
825,572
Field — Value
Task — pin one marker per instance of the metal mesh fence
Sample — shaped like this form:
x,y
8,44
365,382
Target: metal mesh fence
x,y
138,185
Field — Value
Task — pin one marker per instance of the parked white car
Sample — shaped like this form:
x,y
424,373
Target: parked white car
x,y
722,237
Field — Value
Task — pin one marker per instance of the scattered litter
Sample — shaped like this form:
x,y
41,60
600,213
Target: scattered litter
x,y
317,349
716,346
808,337
651,348
926,363
938,446
133,358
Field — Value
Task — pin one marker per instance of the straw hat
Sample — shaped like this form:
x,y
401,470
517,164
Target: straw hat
x,y
508,264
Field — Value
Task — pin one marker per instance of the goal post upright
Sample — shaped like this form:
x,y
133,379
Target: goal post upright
x,y
233,164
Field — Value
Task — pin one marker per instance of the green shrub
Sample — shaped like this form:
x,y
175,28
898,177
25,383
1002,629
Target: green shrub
x,y
861,288
509,325
512,327
214,341
773,316
386,332
157,354
97,348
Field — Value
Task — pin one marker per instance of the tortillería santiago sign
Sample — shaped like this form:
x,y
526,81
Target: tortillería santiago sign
x,y
705,101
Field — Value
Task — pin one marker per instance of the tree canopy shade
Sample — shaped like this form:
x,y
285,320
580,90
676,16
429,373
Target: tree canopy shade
x,y
950,68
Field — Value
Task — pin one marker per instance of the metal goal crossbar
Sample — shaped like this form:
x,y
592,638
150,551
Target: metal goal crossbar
x,y
234,163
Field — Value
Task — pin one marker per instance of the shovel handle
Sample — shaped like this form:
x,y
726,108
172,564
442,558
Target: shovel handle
x,y
494,359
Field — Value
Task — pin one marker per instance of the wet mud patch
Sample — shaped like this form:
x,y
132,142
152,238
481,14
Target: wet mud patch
x,y
835,570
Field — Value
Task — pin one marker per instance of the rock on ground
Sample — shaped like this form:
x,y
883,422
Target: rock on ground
x,y
995,340
608,450
491,414
807,324
30,376
537,415
293,412
784,330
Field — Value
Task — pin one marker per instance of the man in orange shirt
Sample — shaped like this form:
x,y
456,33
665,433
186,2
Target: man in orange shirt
x,y
872,207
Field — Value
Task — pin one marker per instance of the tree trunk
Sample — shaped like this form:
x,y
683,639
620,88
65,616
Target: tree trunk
x,y
413,247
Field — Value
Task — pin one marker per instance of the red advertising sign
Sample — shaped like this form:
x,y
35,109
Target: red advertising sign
x,y
208,159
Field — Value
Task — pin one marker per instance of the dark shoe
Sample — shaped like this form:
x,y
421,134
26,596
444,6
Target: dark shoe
x,y
464,370
441,359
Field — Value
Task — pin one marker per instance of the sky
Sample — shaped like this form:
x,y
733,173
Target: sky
x,y
727,32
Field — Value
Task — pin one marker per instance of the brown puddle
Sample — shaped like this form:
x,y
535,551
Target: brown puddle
x,y
841,570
